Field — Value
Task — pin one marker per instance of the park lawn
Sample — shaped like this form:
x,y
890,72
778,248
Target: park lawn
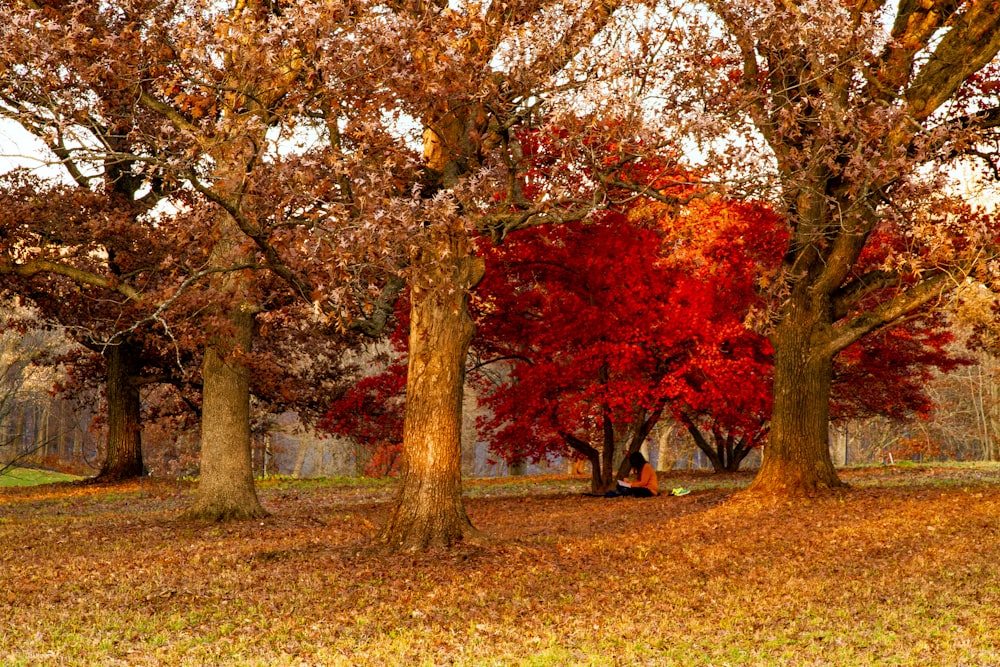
x,y
901,569
32,477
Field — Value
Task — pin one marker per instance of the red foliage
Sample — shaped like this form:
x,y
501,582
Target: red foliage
x,y
371,409
621,317
886,372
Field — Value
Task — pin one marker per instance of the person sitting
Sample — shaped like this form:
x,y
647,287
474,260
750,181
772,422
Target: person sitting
x,y
645,484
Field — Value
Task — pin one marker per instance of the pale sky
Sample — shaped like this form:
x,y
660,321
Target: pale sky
x,y
18,148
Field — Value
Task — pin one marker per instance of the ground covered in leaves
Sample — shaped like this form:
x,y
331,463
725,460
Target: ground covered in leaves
x,y
903,568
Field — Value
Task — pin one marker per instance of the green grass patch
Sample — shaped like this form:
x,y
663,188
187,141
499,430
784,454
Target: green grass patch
x,y
33,477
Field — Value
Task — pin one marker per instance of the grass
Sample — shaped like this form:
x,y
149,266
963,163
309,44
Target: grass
x,y
32,477
901,569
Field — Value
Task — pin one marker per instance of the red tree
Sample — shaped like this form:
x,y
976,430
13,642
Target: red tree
x,y
606,325
887,373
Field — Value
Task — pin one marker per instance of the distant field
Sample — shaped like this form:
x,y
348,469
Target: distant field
x,y
31,477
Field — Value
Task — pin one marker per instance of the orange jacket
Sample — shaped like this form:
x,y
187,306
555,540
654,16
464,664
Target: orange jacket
x,y
647,480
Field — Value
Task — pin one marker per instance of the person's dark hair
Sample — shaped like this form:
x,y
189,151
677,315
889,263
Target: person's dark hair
x,y
637,461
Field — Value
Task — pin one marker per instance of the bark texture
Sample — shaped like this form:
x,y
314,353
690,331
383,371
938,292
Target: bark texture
x,y
124,445
429,512
797,457
226,489
458,130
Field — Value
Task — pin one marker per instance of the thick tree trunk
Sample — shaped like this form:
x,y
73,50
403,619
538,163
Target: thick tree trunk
x,y
124,446
226,484
429,512
226,488
797,456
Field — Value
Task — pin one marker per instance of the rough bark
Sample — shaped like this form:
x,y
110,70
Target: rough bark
x,y
124,445
429,512
226,488
797,457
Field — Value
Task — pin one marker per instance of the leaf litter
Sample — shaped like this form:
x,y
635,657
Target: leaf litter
x,y
902,568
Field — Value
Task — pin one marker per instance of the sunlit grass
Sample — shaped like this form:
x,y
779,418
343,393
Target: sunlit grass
x,y
32,477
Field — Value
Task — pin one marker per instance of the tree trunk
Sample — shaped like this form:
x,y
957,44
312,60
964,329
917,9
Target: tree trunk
x,y
608,449
702,442
226,487
124,448
729,451
797,456
642,425
597,484
429,512
738,450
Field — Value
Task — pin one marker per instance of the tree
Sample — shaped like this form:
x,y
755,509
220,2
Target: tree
x,y
198,97
607,325
71,251
472,77
889,373
211,90
562,310
857,122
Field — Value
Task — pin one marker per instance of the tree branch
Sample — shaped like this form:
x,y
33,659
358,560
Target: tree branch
x,y
35,266
845,298
174,116
971,43
374,326
300,284
903,303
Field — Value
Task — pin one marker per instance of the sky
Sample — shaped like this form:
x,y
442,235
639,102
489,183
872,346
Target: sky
x,y
20,149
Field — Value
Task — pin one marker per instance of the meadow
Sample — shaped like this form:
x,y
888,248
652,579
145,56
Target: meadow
x,y
902,568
